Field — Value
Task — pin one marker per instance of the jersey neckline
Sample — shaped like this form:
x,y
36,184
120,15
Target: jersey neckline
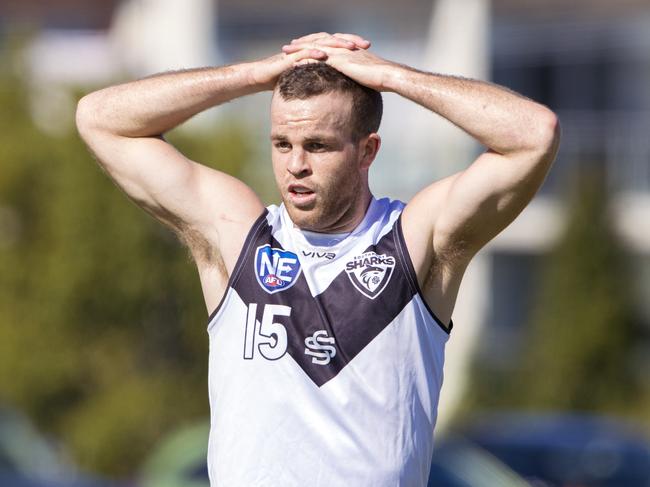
x,y
302,239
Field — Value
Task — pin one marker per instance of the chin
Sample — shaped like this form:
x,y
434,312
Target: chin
x,y
305,218
328,213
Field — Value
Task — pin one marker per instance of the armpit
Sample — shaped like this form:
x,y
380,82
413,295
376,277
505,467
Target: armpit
x,y
200,248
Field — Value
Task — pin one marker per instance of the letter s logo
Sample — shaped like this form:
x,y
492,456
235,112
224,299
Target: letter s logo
x,y
320,347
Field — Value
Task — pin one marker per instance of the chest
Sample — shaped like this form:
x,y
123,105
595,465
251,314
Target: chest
x,y
320,306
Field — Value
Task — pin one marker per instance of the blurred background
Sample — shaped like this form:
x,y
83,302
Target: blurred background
x,y
103,350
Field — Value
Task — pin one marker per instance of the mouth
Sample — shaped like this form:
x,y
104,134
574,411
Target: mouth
x,y
301,196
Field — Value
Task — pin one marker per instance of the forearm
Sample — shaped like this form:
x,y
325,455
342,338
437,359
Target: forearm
x,y
154,105
498,118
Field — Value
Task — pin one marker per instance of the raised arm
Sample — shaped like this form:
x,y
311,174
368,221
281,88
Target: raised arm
x,y
522,139
211,211
124,125
450,220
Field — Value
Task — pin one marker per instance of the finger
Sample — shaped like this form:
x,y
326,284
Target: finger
x,y
324,42
307,61
357,40
291,48
333,41
325,39
312,54
311,37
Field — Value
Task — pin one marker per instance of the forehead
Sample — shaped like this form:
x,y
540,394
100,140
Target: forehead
x,y
330,112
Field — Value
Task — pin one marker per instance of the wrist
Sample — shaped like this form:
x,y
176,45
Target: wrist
x,y
247,77
263,74
394,77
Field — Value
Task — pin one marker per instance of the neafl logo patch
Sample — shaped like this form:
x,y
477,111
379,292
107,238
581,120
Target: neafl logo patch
x,y
276,269
370,272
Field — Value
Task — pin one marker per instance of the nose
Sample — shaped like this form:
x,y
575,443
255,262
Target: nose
x,y
298,164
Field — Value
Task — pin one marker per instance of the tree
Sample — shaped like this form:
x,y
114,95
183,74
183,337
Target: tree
x,y
582,339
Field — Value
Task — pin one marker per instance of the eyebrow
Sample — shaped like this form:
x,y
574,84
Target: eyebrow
x,y
312,138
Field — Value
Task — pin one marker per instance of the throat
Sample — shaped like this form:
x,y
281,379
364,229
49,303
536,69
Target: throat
x,y
318,239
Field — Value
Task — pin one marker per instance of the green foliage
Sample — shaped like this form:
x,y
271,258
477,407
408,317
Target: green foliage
x,y
584,331
583,337
102,324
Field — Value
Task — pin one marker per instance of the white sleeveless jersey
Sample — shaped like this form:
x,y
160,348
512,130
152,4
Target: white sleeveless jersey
x,y
325,362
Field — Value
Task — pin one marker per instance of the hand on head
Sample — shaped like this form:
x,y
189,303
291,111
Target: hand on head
x,y
348,53
323,39
320,45
311,48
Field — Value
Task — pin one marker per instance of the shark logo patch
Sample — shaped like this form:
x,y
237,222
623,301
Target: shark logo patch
x,y
370,272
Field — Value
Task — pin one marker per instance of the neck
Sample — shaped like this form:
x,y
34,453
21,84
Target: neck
x,y
318,239
351,217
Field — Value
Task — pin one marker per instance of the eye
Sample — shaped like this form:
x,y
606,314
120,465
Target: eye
x,y
316,147
282,145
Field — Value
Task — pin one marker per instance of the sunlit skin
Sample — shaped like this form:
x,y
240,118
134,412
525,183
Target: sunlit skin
x,y
320,169
444,225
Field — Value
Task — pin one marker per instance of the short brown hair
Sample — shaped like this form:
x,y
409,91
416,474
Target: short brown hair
x,y
313,79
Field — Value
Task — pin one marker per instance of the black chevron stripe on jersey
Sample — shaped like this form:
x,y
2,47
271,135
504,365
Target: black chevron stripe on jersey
x,y
349,316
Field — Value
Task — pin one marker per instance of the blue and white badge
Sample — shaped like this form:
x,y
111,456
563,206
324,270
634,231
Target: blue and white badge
x,y
276,269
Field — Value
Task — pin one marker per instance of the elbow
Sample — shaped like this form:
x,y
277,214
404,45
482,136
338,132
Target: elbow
x,y
540,136
548,133
83,116
87,115
548,141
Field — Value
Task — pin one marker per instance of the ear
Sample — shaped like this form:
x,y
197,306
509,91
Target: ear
x,y
369,149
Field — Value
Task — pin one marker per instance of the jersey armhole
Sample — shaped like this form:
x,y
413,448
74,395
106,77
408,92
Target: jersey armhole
x,y
250,238
411,276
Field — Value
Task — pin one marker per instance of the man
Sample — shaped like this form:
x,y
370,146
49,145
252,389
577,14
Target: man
x,y
329,314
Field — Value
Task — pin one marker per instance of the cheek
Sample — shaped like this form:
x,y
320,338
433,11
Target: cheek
x,y
346,171
277,165
340,183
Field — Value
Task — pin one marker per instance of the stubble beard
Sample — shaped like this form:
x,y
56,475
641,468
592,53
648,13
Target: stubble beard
x,y
335,206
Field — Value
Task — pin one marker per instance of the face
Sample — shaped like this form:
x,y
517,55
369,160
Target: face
x,y
320,170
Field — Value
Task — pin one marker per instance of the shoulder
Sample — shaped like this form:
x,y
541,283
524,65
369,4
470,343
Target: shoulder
x,y
419,218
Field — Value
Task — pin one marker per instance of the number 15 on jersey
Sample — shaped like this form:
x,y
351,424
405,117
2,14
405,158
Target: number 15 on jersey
x,y
270,336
